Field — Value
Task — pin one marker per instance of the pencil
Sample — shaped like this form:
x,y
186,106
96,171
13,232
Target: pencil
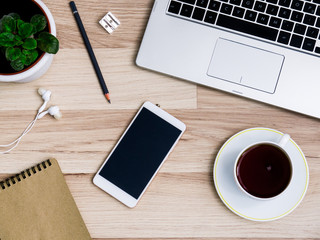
x,y
90,50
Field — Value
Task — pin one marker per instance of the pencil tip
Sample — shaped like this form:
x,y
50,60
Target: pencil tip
x,y
107,97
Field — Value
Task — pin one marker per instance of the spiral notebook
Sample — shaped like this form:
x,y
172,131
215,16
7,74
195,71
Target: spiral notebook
x,y
37,205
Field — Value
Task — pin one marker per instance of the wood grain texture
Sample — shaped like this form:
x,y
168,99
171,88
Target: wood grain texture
x,y
181,203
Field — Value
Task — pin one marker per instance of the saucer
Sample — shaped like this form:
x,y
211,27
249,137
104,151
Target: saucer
x,y
245,206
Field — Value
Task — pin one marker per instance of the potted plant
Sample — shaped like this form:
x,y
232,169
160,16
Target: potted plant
x,y
27,48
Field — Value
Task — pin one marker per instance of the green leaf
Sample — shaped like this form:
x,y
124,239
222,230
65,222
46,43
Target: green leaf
x,y
23,58
18,40
12,53
17,64
7,39
34,54
34,30
30,43
19,23
48,43
16,16
25,30
31,56
39,21
8,24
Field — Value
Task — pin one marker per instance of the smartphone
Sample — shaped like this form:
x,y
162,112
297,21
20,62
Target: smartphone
x,y
139,154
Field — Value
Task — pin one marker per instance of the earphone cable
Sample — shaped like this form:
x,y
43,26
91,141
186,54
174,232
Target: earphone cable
x,y
17,141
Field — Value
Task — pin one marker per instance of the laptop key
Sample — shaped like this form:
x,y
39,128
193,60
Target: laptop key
x,y
312,32
284,13
238,12
210,17
296,41
309,8
247,27
308,44
309,19
272,9
263,18
198,13
174,7
318,23
247,3
285,3
275,22
318,11
284,37
250,15
300,29
260,6
317,50
186,10
296,16
202,3
287,25
226,8
297,4
214,5
235,2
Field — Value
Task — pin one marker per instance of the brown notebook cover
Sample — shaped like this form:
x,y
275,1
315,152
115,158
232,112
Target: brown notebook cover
x,y
37,205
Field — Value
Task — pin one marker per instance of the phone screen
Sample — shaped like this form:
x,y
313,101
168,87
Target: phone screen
x,y
140,153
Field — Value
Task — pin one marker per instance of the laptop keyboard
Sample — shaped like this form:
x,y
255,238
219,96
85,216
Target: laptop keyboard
x,y
291,23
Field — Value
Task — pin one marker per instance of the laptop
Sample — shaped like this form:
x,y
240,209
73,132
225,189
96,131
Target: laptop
x,y
266,50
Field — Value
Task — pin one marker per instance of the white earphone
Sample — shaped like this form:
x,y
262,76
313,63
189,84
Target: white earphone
x,y
53,111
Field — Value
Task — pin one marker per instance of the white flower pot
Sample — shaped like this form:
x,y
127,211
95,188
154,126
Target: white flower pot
x,y
42,64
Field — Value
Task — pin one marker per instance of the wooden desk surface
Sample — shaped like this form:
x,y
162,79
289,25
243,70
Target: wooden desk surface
x,y
181,202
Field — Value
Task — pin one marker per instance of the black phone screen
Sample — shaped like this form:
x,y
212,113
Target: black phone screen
x,y
140,153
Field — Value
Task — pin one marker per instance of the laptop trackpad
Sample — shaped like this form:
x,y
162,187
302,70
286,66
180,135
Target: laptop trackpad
x,y
246,65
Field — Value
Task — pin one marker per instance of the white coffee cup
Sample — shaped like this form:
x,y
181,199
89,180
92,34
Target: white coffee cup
x,y
264,170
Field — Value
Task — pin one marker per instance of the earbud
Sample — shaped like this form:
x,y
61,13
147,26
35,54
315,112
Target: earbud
x,y
53,111
45,94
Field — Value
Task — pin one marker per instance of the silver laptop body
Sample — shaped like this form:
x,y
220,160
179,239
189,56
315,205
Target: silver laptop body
x,y
206,47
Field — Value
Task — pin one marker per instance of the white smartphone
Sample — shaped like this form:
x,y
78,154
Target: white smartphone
x,y
139,154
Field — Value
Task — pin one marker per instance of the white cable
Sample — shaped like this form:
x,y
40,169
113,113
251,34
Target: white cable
x,y
17,141
23,133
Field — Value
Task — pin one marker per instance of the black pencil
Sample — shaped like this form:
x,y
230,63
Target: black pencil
x,y
90,50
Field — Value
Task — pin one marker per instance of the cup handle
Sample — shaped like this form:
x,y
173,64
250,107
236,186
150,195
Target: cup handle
x,y
284,140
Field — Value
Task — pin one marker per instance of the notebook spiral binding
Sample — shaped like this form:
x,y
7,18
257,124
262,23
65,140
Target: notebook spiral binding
x,y
24,174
